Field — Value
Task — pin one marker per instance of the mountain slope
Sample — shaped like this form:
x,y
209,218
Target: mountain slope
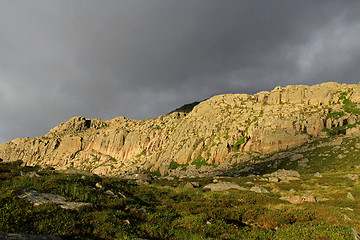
x,y
201,138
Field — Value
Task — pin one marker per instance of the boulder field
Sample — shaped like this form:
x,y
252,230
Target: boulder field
x,y
200,138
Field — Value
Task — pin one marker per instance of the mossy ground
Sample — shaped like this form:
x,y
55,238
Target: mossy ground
x,y
173,212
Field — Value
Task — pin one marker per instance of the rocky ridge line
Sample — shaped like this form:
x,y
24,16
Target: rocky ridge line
x,y
202,138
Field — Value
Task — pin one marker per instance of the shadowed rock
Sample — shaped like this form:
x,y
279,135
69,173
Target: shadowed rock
x,y
29,174
14,236
192,185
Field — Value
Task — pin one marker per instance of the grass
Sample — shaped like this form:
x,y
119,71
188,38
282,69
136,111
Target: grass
x,y
175,165
199,162
238,143
140,154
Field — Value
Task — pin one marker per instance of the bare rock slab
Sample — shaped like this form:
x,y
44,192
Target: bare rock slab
x,y
352,176
39,198
192,185
259,189
281,173
14,236
223,186
299,199
29,174
284,175
350,196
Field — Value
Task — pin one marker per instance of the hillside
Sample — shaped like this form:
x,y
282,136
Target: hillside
x,y
218,135
316,199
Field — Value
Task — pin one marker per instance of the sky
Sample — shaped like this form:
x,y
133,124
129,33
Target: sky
x,y
144,58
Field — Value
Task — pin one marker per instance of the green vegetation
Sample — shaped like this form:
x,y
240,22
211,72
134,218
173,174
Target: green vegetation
x,y
238,143
140,154
335,115
175,165
199,162
348,107
171,212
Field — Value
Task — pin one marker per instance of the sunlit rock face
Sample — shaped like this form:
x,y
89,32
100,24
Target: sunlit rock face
x,y
201,137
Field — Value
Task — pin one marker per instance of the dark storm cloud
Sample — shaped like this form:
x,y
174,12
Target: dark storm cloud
x,y
142,58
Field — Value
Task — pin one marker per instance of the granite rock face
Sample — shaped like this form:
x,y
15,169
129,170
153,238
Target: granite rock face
x,y
197,139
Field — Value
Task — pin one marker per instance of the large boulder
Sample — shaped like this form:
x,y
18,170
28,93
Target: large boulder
x,y
223,186
40,198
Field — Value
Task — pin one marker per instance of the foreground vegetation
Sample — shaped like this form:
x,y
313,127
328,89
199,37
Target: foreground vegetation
x,y
167,210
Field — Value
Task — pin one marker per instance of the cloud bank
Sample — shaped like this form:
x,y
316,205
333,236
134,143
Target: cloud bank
x,y
141,59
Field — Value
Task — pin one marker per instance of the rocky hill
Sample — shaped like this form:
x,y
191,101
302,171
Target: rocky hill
x,y
203,138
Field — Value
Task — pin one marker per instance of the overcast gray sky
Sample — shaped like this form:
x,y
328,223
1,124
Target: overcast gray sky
x,y
143,58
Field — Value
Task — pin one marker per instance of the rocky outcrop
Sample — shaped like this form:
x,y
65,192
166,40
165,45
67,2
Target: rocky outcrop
x,y
223,186
299,199
200,138
16,236
40,198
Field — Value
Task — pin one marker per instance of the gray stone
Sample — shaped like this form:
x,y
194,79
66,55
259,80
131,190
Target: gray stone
x,y
299,199
73,205
273,179
40,198
192,185
14,236
352,176
259,189
167,178
223,186
142,211
350,196
188,185
29,174
111,194
143,176
356,234
317,174
195,184
122,195
321,199
77,171
142,181
286,175
296,157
